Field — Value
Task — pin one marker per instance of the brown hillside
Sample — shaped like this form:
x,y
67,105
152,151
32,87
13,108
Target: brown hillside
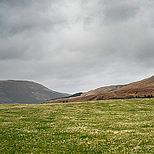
x,y
102,90
136,89
149,82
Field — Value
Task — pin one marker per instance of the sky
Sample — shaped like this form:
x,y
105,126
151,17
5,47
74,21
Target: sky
x,y
76,45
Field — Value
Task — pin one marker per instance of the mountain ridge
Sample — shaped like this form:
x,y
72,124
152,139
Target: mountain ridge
x,y
21,91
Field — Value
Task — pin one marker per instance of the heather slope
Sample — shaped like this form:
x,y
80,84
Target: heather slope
x,y
102,90
143,88
136,89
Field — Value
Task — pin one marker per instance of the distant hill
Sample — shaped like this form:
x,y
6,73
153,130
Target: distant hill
x,y
12,91
143,88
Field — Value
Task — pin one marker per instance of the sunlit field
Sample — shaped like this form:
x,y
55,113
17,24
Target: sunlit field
x,y
111,126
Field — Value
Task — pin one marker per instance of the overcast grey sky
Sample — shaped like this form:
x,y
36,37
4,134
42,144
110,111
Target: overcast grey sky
x,y
76,45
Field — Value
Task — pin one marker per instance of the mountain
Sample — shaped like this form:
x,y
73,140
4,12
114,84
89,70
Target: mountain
x,y
12,91
143,88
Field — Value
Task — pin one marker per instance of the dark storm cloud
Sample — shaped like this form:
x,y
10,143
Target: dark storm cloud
x,y
74,45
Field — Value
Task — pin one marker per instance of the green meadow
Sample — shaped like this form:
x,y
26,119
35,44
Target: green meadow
x,y
108,126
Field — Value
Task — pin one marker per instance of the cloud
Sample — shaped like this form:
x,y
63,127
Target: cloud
x,y
120,13
72,46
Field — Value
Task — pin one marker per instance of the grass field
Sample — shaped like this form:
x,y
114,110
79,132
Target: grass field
x,y
111,126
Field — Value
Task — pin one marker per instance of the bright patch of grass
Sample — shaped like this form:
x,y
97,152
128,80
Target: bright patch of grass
x,y
111,126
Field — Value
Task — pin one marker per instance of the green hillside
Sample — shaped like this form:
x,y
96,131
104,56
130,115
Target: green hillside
x,y
12,91
108,126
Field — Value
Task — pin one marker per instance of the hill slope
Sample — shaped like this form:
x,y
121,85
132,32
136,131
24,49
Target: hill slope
x,y
12,91
136,89
102,90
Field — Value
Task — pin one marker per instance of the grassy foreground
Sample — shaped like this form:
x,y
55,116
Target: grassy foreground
x,y
111,126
